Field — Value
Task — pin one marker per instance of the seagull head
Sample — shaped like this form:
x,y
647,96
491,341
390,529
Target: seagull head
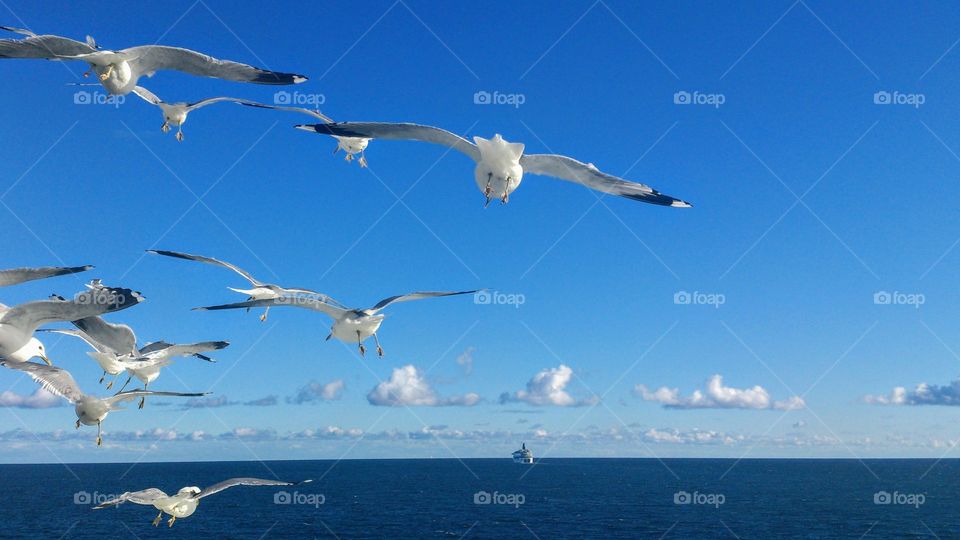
x,y
33,349
190,491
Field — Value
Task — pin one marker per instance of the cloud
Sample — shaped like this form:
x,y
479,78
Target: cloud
x,y
547,388
315,391
408,386
39,399
266,401
208,403
923,394
718,396
466,361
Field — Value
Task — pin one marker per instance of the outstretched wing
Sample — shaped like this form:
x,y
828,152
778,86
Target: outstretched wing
x,y
132,394
144,496
211,101
15,276
407,132
53,379
209,260
150,58
220,486
147,95
294,301
118,338
412,296
28,317
167,350
316,114
34,46
587,174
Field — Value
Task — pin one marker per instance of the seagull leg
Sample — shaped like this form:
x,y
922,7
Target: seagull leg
x,y
143,399
99,435
363,160
379,348
349,157
180,133
125,384
165,127
486,190
172,519
102,377
106,75
78,423
156,520
363,350
110,384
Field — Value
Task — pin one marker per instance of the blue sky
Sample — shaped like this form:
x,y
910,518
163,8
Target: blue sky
x,y
810,198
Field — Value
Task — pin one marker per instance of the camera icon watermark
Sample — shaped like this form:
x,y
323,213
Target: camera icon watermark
x,y
298,99
897,298
696,97
706,499
96,97
896,97
496,97
697,298
295,497
497,298
509,499
903,499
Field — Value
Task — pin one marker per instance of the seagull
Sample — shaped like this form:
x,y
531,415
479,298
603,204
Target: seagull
x,y
15,276
501,164
17,324
106,357
349,325
350,145
119,71
154,356
260,291
185,502
91,410
175,114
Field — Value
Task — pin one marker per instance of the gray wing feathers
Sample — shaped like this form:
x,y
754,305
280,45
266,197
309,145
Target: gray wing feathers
x,y
15,276
144,496
220,486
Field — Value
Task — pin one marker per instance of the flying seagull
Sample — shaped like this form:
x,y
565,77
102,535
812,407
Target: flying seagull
x,y
349,325
91,410
15,276
350,145
501,164
185,502
260,291
175,114
153,357
17,324
119,71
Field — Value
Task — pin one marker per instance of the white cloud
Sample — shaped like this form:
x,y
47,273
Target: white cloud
x,y
315,391
923,394
547,387
466,361
408,386
718,396
39,399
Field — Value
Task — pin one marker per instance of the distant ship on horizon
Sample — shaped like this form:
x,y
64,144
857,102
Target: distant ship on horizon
x,y
523,455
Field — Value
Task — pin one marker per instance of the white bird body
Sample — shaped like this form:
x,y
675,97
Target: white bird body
x,y
498,171
355,326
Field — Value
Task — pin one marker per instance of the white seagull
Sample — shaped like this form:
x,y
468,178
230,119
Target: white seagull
x,y
119,71
175,114
17,324
501,164
351,145
261,290
184,502
91,410
15,276
154,356
349,325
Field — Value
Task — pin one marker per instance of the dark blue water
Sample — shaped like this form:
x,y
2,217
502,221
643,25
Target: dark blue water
x,y
557,498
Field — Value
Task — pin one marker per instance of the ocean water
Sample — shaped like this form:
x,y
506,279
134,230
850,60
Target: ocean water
x,y
495,498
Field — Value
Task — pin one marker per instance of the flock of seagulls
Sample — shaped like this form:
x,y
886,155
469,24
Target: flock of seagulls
x,y
499,169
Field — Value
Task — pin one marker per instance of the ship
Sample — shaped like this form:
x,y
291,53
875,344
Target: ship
x,y
523,455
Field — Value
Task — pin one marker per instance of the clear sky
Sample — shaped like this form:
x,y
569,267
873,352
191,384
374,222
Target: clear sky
x,y
810,198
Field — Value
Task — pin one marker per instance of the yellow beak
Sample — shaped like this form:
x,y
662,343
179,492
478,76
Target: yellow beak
x,y
46,360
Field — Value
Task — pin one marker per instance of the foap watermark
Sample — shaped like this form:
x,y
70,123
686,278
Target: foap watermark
x,y
897,298
896,97
298,99
498,98
509,499
903,499
96,97
295,497
497,298
704,499
697,298
86,498
698,98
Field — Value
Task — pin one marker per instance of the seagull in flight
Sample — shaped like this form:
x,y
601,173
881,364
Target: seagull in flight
x,y
18,324
15,276
175,114
349,325
90,410
153,357
184,502
351,145
119,71
501,164
261,290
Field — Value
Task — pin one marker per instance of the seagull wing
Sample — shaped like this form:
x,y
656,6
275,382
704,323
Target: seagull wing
x,y
409,132
211,101
294,301
316,114
133,394
150,58
117,338
147,95
15,276
190,349
569,169
34,46
28,317
220,486
209,260
412,296
55,380
144,496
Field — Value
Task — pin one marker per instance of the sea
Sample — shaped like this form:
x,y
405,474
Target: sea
x,y
496,498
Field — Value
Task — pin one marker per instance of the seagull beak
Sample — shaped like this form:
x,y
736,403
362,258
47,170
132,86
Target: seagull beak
x,y
46,360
